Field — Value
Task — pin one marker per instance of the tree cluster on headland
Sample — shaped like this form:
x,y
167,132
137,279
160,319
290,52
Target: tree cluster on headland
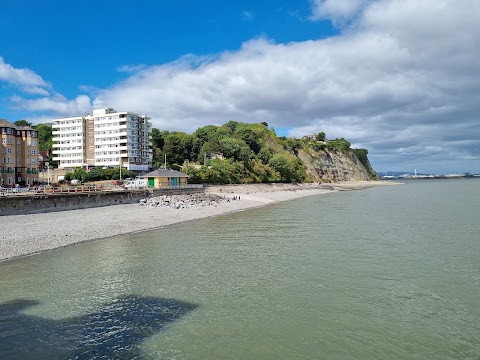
x,y
240,153
237,152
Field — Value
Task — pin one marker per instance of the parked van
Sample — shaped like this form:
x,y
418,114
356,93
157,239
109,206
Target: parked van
x,y
136,184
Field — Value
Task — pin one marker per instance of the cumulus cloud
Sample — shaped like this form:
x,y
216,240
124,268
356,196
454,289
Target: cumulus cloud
x,y
339,12
14,76
57,104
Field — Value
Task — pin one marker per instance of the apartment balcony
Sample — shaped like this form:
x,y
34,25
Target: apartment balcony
x,y
109,134
110,142
70,137
68,151
71,157
74,130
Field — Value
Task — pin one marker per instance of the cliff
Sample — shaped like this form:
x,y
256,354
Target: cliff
x,y
334,165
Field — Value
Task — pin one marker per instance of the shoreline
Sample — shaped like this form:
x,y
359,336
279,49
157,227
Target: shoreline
x,y
32,234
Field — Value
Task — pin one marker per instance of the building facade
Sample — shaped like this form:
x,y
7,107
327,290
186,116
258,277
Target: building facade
x,y
19,154
106,138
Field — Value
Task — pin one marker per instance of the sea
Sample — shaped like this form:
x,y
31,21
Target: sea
x,y
389,272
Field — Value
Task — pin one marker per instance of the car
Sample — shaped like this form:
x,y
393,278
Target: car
x,y
136,184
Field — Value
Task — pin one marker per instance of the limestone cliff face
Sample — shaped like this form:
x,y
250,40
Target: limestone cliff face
x,y
334,166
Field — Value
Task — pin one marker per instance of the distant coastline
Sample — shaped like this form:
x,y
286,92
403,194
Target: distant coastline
x,y
409,176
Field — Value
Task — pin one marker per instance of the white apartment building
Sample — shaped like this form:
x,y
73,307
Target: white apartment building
x,y
106,138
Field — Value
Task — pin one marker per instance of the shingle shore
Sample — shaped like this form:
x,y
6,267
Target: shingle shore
x,y
23,235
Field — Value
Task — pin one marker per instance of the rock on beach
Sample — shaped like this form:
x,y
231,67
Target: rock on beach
x,y
185,201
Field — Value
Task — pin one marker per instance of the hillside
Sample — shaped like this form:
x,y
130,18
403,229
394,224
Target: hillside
x,y
252,153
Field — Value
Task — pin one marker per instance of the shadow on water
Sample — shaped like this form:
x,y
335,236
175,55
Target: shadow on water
x,y
114,331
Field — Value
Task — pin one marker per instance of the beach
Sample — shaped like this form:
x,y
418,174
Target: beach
x,y
24,235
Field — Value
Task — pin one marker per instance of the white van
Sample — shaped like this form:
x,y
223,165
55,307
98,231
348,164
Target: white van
x,y
136,184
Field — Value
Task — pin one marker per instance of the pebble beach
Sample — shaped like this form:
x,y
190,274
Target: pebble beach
x,y
30,234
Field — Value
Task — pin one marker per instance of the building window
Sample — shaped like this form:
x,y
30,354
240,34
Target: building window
x,y
18,142
9,160
9,131
34,152
34,143
28,152
4,140
9,150
3,150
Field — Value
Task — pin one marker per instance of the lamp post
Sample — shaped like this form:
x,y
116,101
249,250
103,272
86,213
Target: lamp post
x,y
48,173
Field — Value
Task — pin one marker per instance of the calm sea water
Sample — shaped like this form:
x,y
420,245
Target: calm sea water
x,y
384,273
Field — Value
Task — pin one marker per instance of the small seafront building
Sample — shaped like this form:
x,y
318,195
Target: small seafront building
x,y
165,177
105,138
19,154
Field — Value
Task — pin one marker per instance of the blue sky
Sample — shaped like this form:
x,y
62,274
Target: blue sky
x,y
398,77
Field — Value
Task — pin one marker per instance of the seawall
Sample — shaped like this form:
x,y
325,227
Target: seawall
x,y
37,203
30,204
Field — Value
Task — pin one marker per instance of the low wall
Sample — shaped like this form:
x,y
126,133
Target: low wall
x,y
28,204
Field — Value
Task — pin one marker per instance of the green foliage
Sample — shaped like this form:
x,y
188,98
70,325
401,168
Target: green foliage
x,y
99,174
338,144
321,136
79,174
22,123
361,155
250,135
290,168
44,136
177,147
252,153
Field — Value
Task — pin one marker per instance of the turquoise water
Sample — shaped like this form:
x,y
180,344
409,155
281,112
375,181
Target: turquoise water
x,y
383,273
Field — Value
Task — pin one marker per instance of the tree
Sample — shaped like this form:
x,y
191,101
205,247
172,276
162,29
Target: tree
x,y
178,146
22,123
321,136
45,136
158,137
291,169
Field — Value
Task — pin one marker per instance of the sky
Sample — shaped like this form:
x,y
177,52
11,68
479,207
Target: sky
x,y
400,78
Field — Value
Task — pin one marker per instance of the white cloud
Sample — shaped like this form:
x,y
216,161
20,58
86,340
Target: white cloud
x,y
57,104
338,11
34,90
16,76
247,15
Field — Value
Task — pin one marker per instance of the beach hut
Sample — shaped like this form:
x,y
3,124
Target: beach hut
x,y
165,177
